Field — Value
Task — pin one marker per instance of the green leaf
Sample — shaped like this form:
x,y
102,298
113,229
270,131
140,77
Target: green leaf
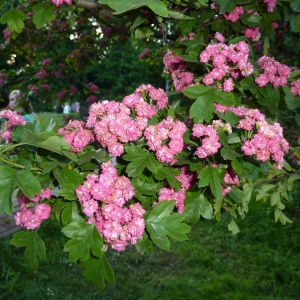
x,y
143,245
7,187
279,215
14,19
50,141
28,183
84,238
35,247
139,160
275,200
67,193
203,108
178,16
98,270
121,6
295,5
196,205
143,32
291,101
68,178
101,156
251,20
161,223
70,213
229,154
213,177
226,6
169,174
233,227
42,14
2,3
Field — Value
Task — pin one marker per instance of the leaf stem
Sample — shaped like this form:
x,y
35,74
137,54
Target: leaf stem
x,y
9,162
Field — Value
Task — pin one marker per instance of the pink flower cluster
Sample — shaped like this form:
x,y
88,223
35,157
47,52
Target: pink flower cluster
x,y
60,2
116,123
174,65
167,131
92,87
102,198
295,87
253,34
271,4
231,179
77,135
210,144
274,72
227,61
187,180
41,211
13,119
267,143
235,15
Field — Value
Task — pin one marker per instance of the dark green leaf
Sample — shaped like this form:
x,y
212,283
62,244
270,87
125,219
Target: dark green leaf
x,y
70,213
28,183
98,270
169,174
143,245
35,247
161,223
251,20
139,160
84,238
291,101
68,178
213,177
203,108
7,187
196,205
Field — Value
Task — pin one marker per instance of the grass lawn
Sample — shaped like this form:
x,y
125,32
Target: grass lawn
x,y
261,263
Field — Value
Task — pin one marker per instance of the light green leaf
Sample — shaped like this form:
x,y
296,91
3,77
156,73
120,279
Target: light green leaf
x,y
196,205
161,223
178,16
213,177
233,227
35,247
139,160
279,215
43,14
84,238
47,140
143,32
98,270
14,19
7,187
275,200
121,6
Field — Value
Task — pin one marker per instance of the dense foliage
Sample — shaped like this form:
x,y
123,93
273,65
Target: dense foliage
x,y
140,170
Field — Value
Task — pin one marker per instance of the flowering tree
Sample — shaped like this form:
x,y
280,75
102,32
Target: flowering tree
x,y
142,170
